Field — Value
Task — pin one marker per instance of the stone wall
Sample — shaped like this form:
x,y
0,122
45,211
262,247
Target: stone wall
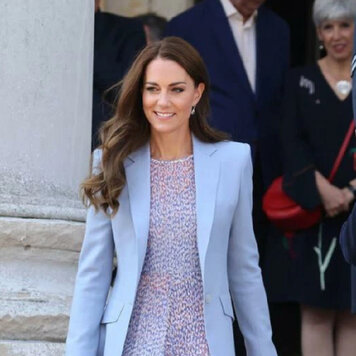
x,y
38,266
45,110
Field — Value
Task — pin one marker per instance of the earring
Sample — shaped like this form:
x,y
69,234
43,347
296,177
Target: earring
x,y
322,51
192,112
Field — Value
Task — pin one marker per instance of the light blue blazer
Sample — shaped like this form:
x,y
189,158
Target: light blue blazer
x,y
227,252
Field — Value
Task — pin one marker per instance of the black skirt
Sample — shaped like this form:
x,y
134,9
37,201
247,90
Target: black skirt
x,y
320,275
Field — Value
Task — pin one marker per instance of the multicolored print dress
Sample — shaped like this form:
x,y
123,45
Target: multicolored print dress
x,y
168,315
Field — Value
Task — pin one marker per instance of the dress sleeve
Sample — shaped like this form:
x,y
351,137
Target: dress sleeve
x,y
299,169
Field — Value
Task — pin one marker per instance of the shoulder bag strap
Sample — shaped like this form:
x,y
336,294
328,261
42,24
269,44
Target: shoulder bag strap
x,y
341,153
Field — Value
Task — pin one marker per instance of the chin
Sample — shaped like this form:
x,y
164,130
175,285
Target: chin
x,y
341,56
163,129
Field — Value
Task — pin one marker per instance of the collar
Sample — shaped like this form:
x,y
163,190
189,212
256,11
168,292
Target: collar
x,y
198,146
231,11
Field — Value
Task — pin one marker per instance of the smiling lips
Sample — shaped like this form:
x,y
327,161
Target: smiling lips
x,y
164,115
339,47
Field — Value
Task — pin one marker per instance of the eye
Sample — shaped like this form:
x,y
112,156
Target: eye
x,y
178,90
345,24
151,88
327,27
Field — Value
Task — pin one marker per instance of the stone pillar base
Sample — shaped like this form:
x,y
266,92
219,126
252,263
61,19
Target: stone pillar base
x,y
38,267
11,348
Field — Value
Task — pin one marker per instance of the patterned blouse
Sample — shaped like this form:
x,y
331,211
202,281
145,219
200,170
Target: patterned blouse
x,y
168,315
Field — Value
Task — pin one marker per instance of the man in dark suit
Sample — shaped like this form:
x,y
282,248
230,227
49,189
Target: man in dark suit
x,y
117,40
248,111
348,231
246,49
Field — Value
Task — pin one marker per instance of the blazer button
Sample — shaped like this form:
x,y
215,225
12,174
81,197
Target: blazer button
x,y
207,298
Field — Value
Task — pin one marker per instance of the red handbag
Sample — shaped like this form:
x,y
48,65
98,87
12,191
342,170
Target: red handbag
x,y
284,212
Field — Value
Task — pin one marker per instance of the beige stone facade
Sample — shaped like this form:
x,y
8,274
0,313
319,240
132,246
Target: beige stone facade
x,y
165,8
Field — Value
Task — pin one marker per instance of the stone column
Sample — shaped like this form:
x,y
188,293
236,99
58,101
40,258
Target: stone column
x,y
165,8
45,110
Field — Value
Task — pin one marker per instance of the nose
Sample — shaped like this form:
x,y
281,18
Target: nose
x,y
163,99
336,33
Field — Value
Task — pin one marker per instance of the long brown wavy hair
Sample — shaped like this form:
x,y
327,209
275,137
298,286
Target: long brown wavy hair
x,y
129,129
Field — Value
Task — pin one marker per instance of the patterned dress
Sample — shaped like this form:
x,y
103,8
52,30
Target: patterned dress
x,y
168,315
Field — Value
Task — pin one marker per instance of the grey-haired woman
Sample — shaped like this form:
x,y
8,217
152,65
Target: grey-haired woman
x,y
318,112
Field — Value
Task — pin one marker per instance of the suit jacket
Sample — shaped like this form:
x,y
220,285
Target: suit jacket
x,y
227,251
248,117
117,40
348,247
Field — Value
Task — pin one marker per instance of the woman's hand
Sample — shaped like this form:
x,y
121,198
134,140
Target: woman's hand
x,y
349,195
349,191
334,199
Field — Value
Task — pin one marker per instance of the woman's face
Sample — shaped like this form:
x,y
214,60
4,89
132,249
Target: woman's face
x,y
168,95
337,37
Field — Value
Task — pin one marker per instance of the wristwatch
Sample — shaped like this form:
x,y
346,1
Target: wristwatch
x,y
352,189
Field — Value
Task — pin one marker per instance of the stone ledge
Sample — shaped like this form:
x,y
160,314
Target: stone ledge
x,y
35,211
51,234
31,348
31,271
34,317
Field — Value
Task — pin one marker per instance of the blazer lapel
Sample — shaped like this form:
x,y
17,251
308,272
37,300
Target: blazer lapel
x,y
137,169
206,181
221,29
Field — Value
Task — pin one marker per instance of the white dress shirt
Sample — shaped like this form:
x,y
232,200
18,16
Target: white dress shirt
x,y
245,38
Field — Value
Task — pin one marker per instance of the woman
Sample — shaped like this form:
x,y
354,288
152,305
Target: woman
x,y
318,113
172,198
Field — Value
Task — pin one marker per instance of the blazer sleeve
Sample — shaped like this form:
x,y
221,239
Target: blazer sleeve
x,y
299,168
92,282
348,238
245,280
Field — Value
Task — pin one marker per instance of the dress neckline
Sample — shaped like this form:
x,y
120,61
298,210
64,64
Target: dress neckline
x,y
330,87
183,159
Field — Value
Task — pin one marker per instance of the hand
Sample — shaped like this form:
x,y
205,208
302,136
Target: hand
x,y
349,196
334,199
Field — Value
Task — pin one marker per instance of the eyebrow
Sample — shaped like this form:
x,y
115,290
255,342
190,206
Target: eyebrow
x,y
172,84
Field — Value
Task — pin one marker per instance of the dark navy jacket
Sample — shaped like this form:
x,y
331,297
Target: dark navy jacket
x,y
117,40
236,109
348,246
348,231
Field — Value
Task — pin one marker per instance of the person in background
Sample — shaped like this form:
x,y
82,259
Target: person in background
x,y
246,49
317,115
173,198
153,25
117,40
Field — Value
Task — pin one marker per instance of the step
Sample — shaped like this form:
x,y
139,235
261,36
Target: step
x,y
31,316
31,348
41,233
37,271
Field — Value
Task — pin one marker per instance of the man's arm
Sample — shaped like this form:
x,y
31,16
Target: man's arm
x,y
348,230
